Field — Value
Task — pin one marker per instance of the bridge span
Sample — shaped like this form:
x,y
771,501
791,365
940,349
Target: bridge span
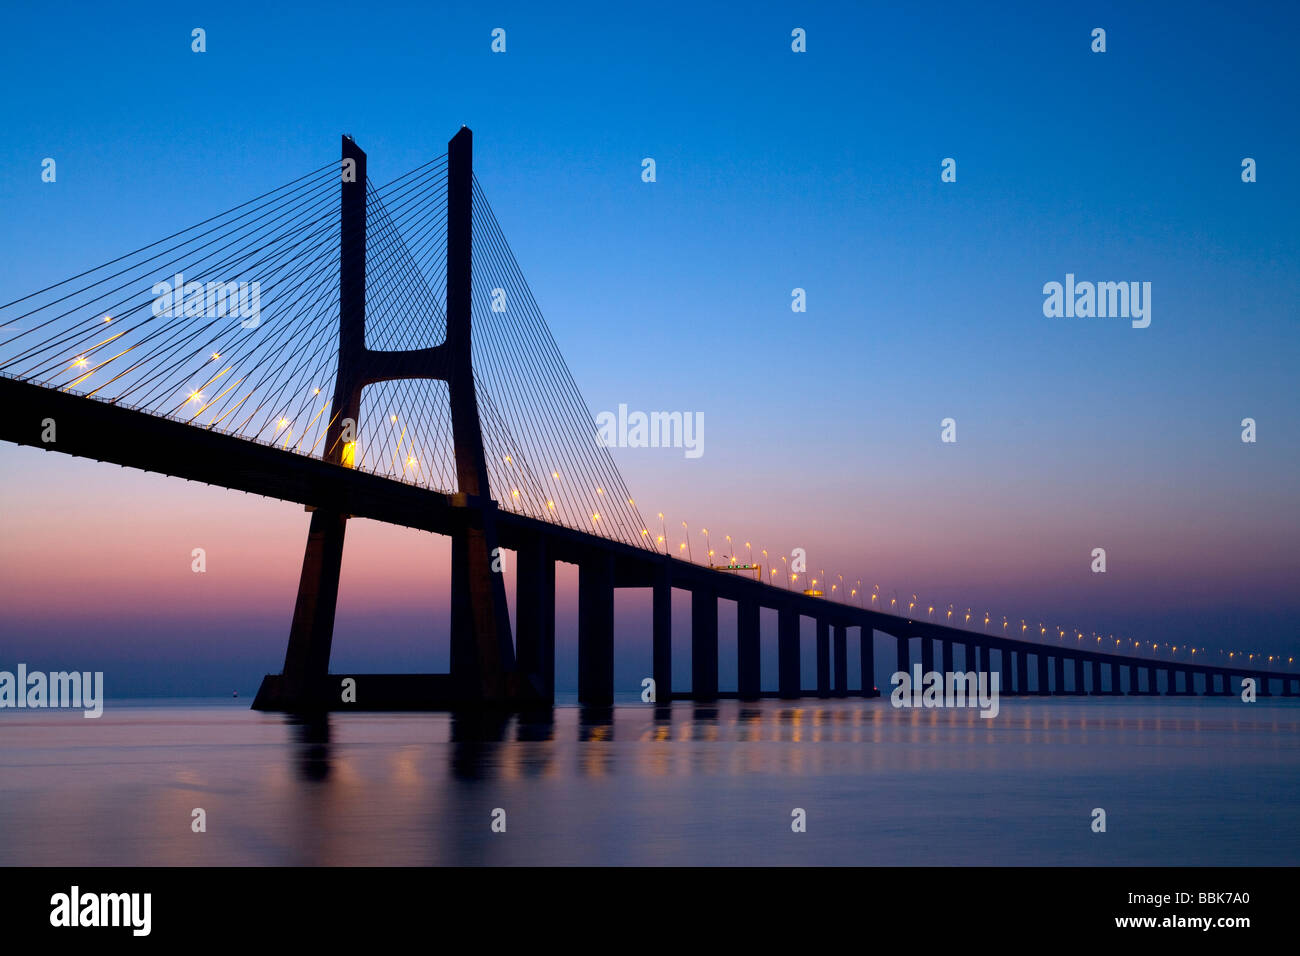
x,y
119,435
350,284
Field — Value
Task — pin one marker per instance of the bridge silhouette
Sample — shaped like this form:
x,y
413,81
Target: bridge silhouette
x,y
208,356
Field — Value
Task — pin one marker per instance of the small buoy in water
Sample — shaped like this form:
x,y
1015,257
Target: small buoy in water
x,y
235,694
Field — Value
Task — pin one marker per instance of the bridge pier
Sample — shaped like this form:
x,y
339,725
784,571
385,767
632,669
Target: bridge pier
x,y
535,618
945,647
596,630
1261,682
661,625
704,644
841,688
904,665
972,662
867,660
1022,673
823,658
1058,666
1043,689
787,652
1189,683
748,653
927,656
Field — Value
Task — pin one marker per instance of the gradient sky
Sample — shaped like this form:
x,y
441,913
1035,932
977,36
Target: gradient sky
x,y
775,170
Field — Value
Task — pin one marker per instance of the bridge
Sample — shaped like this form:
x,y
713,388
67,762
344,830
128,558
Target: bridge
x,y
314,345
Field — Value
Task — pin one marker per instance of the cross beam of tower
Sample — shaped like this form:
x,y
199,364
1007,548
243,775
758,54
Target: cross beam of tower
x,y
482,652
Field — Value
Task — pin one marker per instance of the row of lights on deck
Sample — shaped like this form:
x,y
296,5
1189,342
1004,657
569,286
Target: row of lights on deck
x,y
792,578
877,601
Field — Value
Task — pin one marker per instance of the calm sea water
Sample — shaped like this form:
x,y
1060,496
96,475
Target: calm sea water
x,y
1186,781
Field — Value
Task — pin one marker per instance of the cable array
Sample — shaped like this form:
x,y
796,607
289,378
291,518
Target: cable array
x,y
232,325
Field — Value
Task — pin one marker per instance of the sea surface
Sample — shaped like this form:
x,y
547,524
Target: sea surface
x,y
1182,781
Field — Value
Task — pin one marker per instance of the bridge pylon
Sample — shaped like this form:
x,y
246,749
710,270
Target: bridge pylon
x,y
483,667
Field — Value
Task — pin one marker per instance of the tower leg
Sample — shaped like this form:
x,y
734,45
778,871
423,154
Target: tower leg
x,y
307,661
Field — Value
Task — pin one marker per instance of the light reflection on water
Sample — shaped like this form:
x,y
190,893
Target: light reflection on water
x,y
1192,781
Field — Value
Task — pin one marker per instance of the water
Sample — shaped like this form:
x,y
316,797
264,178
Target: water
x,y
1186,781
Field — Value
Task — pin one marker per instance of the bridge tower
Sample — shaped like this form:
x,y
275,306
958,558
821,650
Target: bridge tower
x,y
482,652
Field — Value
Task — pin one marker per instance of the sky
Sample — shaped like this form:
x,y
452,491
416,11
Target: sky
x,y
775,171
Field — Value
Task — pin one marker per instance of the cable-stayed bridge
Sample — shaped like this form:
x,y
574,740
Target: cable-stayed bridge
x,y
314,345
